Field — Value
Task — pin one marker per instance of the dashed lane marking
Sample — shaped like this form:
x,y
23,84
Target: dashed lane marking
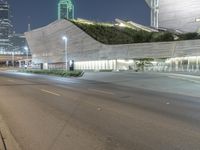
x,y
49,92
102,92
13,81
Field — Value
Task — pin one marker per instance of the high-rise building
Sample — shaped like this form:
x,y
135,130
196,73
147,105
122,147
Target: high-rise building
x,y
65,9
181,15
5,27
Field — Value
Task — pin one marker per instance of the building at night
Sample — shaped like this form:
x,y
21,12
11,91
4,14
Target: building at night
x,y
65,9
5,27
180,15
13,47
63,41
19,43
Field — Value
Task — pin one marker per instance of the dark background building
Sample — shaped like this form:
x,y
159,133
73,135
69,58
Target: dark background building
x,y
13,46
5,27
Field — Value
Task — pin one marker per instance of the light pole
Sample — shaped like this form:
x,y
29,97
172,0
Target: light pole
x,y
13,55
66,59
198,20
26,49
13,58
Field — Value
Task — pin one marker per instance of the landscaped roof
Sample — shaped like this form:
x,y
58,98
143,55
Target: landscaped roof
x,y
108,33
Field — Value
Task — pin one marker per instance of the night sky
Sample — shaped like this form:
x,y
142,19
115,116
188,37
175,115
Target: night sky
x,y
42,12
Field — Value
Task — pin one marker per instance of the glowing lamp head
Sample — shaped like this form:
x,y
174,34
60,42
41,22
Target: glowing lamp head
x,y
64,38
197,20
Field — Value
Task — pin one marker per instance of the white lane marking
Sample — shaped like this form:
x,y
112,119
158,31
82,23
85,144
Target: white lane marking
x,y
194,81
11,81
53,93
102,92
99,109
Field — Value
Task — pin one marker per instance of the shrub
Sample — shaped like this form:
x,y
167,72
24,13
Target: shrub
x,y
189,36
117,35
56,72
108,34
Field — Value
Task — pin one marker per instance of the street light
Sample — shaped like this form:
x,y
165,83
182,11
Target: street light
x,y
66,59
198,20
26,49
13,58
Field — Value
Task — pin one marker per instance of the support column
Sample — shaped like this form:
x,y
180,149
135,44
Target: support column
x,y
20,64
116,65
171,65
182,69
197,64
188,66
176,63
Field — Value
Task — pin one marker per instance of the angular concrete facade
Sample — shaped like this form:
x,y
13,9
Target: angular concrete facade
x,y
176,14
47,47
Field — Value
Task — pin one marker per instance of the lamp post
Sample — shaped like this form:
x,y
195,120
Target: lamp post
x,y
198,20
26,49
13,55
13,58
66,59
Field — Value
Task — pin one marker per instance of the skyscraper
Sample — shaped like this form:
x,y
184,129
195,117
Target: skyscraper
x,y
154,5
65,9
5,26
181,15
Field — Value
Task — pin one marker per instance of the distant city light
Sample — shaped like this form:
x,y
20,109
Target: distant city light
x,y
26,48
122,25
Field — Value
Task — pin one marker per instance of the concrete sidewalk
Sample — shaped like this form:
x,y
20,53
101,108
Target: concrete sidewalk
x,y
7,141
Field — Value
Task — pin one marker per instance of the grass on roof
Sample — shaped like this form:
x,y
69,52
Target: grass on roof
x,y
108,34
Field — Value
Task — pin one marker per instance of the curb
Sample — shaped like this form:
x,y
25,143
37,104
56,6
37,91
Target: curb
x,y
2,143
7,141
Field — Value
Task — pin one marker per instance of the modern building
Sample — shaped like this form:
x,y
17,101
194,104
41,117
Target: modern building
x,y
5,27
19,43
181,15
12,45
65,9
18,51
50,50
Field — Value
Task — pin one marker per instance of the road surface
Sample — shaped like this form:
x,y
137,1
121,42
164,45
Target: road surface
x,y
51,113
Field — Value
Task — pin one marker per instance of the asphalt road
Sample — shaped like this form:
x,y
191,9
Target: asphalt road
x,y
50,113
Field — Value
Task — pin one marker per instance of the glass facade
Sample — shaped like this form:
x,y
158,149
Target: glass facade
x,y
179,15
5,27
154,5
